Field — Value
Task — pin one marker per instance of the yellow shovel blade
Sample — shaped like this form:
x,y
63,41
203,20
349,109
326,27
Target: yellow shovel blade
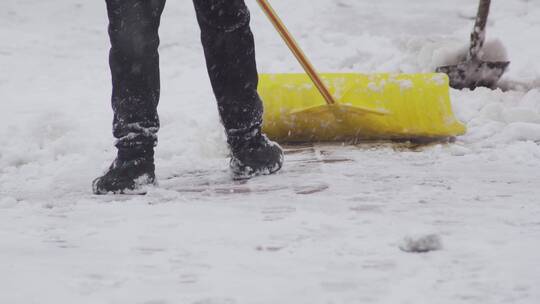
x,y
341,109
379,106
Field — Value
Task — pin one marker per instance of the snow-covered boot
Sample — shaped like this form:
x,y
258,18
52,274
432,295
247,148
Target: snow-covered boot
x,y
131,170
254,154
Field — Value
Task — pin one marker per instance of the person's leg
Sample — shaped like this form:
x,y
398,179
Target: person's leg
x,y
134,63
230,57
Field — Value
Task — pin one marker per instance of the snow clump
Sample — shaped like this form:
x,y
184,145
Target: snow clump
x,y
421,243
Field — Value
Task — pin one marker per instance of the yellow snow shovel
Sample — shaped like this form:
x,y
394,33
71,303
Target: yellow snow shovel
x,y
350,107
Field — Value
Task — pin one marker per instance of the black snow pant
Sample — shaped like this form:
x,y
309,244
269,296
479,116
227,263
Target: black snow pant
x,y
230,57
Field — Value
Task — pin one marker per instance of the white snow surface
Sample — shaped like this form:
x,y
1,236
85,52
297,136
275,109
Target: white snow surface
x,y
328,232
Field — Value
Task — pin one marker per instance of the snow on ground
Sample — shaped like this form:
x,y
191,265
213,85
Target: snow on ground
x,y
325,232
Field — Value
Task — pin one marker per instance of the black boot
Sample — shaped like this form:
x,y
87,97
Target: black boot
x,y
130,171
254,154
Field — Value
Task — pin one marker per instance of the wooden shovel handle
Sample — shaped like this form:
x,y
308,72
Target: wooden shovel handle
x,y
296,50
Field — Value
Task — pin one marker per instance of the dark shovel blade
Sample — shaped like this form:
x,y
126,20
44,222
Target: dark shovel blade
x,y
474,73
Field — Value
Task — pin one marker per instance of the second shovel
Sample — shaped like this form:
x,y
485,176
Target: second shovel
x,y
474,72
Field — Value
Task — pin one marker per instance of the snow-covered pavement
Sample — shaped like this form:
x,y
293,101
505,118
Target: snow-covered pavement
x,y
327,229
